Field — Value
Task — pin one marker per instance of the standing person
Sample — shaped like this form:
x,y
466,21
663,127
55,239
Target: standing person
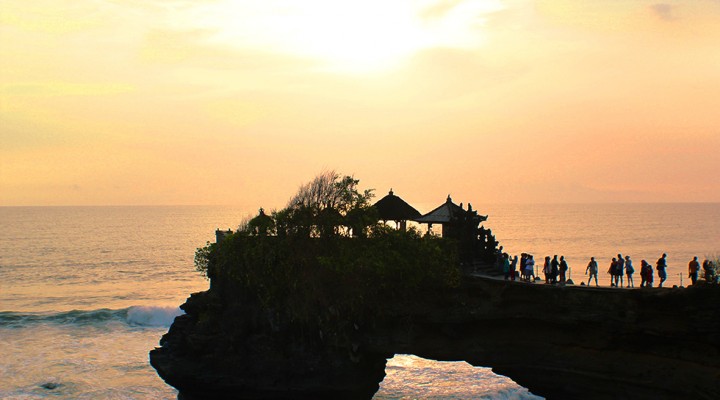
x,y
554,268
523,263
506,265
563,270
693,268
613,272
648,273
530,266
592,268
513,267
620,270
499,258
708,269
661,266
629,271
643,273
547,272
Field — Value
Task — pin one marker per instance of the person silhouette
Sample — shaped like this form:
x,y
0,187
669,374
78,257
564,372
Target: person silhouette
x,y
647,271
613,272
592,268
554,269
707,266
513,267
619,270
629,271
661,267
693,268
563,270
530,267
547,271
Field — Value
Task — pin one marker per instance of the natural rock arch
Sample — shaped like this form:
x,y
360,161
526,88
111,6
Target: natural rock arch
x,y
559,342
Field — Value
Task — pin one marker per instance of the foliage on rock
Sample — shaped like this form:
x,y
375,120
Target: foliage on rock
x,y
204,257
327,255
326,205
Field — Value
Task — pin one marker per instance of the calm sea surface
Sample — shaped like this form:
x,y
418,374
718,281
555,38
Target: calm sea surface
x,y
86,292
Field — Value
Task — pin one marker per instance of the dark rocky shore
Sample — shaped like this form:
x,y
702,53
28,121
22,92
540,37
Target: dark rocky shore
x,y
559,342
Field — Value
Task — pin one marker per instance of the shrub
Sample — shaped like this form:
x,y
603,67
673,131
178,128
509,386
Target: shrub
x,y
310,267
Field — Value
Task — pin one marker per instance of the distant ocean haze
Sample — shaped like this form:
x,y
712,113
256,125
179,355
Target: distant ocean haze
x,y
86,292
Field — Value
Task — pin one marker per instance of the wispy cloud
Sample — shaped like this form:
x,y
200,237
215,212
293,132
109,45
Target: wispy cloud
x,y
54,88
439,10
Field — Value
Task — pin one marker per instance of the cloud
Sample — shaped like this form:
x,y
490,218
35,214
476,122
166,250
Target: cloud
x,y
664,11
439,9
57,88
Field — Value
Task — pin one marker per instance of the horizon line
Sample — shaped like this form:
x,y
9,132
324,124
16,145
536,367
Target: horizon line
x,y
260,206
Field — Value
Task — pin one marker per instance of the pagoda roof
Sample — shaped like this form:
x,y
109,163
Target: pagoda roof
x,y
393,208
448,212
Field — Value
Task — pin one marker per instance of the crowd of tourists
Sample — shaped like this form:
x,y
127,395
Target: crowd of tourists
x,y
621,271
523,268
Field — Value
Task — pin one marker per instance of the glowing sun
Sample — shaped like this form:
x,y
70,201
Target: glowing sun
x,y
351,36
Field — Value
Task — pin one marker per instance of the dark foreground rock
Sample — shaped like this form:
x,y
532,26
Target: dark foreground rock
x,y
560,342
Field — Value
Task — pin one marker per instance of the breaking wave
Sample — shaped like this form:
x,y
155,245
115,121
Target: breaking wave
x,y
142,316
152,316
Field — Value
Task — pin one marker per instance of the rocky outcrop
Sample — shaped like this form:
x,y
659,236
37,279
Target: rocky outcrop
x,y
560,342
238,350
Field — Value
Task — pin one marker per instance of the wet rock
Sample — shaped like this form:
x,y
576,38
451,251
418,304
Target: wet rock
x,y
50,385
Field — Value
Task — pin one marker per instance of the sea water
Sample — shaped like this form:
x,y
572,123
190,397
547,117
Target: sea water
x,y
581,231
86,292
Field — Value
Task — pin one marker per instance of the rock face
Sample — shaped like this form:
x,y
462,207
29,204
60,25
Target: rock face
x,y
559,342
239,351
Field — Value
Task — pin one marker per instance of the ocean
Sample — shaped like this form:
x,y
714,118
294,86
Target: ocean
x,y
86,292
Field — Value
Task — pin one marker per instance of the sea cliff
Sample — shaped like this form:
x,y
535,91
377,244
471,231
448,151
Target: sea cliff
x,y
560,342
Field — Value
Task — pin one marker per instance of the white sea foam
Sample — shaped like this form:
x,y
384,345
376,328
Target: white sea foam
x,y
152,316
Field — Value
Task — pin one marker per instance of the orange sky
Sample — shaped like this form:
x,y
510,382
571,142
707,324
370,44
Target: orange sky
x,y
240,102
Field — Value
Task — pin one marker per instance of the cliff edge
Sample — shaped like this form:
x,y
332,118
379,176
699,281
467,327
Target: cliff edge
x,y
559,342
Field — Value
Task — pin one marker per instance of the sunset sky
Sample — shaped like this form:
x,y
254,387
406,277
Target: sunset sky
x,y
145,102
